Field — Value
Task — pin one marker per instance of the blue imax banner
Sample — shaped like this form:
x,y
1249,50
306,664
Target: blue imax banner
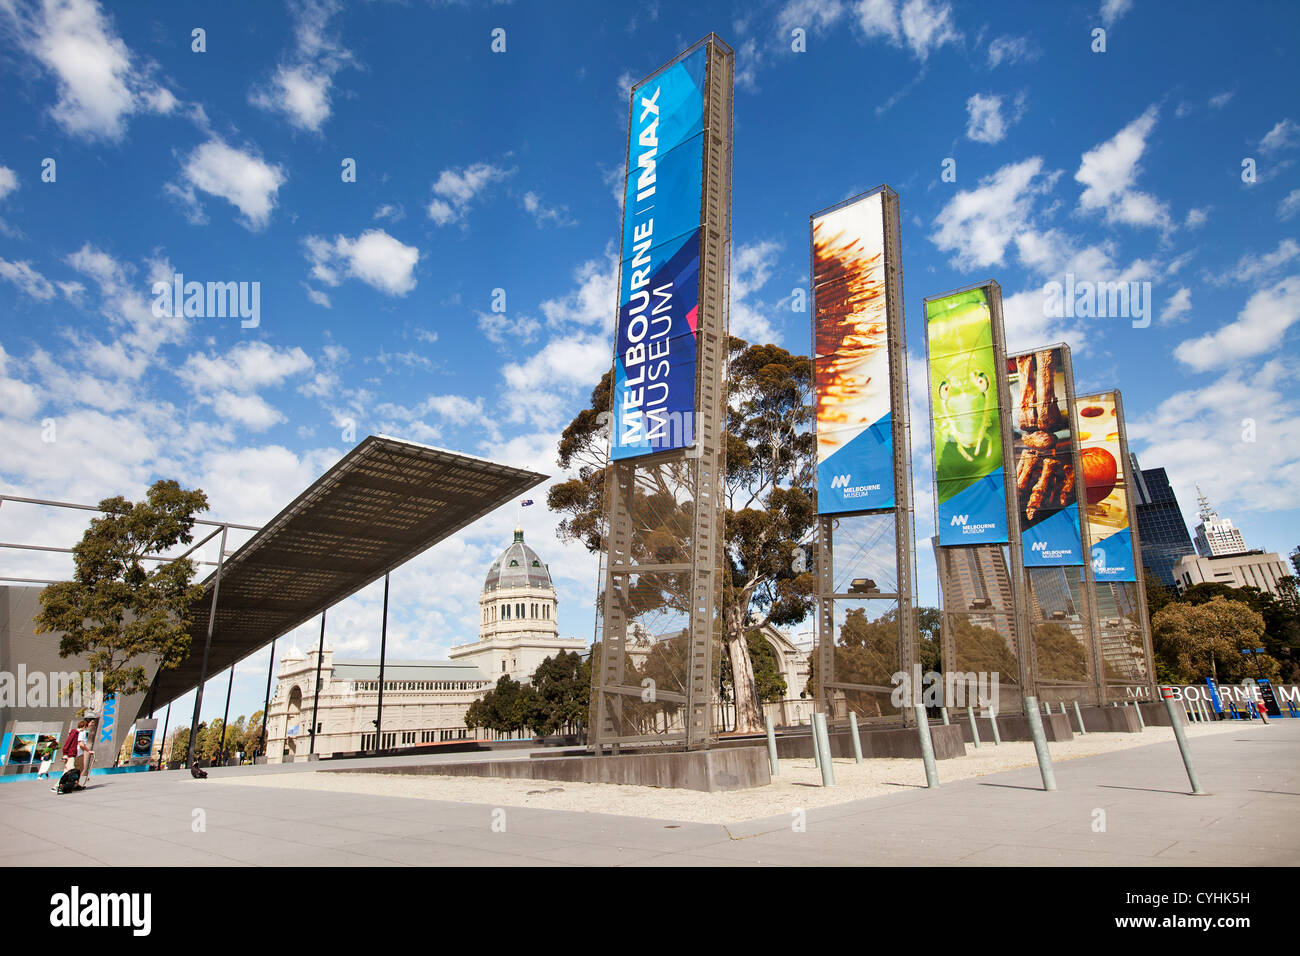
x,y
659,297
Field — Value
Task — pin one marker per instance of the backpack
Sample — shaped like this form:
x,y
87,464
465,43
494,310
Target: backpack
x,y
68,782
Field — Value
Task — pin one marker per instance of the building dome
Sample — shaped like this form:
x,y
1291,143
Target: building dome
x,y
517,567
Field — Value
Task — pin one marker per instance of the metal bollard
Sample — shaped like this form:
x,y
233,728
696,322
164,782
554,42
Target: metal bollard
x,y
1182,743
927,748
771,746
993,722
974,730
1040,743
944,712
1141,723
1078,715
853,733
824,744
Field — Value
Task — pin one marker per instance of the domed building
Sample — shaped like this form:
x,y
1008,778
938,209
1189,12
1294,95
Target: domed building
x,y
517,618
424,701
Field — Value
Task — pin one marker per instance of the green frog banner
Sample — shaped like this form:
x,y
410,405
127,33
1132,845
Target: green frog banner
x,y
967,425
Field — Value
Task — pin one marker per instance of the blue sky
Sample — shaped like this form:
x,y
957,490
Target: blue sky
x,y
479,171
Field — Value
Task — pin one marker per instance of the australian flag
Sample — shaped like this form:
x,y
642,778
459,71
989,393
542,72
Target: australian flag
x,y
526,502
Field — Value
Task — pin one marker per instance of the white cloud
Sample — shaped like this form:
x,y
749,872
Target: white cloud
x,y
538,390
1012,50
595,299
1289,206
317,296
242,179
229,382
751,267
455,189
1109,170
985,122
100,83
246,367
977,224
1284,135
501,328
1260,327
1192,432
1178,306
1220,101
811,15
27,279
124,302
1112,10
921,26
374,257
300,88
1251,267
1197,217
543,213
8,181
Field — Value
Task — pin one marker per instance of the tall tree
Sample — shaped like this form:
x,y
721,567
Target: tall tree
x,y
769,497
1200,639
119,607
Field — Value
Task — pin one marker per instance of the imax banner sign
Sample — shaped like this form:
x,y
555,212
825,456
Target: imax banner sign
x,y
659,294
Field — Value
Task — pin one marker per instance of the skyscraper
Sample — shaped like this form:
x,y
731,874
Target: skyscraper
x,y
1215,536
1161,528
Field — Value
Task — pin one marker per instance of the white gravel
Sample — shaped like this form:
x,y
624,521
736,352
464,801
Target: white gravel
x,y
797,787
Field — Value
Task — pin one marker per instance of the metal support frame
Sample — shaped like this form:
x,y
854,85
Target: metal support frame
x,y
225,716
706,460
383,654
266,706
1139,572
1087,593
207,651
1012,557
902,512
315,696
1022,627
162,750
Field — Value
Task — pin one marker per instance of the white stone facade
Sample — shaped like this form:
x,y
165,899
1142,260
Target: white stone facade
x,y
424,701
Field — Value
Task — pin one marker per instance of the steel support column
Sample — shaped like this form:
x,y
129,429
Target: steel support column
x,y
266,707
383,653
207,651
315,697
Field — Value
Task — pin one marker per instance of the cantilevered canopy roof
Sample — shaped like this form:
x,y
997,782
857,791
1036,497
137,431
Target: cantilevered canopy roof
x,y
385,502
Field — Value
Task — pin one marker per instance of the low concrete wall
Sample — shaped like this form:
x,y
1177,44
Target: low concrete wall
x,y
1015,727
724,768
1111,720
1157,714
883,742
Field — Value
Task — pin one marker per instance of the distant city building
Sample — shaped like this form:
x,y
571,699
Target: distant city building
x,y
1295,561
1161,528
1215,536
1249,569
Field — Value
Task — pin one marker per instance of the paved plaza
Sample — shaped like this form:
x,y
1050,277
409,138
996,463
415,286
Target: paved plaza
x,y
1140,795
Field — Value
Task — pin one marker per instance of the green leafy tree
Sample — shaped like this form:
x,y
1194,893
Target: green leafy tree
x,y
562,699
119,607
1200,639
180,745
770,506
